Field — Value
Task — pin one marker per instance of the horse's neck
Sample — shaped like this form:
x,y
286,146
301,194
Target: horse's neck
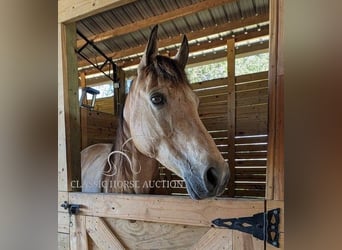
x,y
130,177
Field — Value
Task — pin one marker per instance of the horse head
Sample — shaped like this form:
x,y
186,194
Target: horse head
x,y
161,112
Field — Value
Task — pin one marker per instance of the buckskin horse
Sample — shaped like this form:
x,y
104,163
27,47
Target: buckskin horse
x,y
159,123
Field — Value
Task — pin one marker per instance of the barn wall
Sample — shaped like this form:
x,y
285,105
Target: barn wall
x,y
105,105
97,127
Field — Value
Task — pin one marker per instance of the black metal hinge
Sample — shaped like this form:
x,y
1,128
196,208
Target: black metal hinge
x,y
264,226
72,208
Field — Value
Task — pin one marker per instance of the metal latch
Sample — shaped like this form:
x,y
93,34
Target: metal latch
x,y
72,208
264,226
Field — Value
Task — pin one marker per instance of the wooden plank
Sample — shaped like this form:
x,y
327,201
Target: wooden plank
x,y
244,241
209,92
252,93
74,10
275,189
78,233
251,163
149,235
252,77
153,20
262,108
250,193
62,197
254,100
215,239
251,139
62,152
63,241
209,84
163,209
252,85
63,222
231,121
249,170
191,36
217,99
71,103
103,237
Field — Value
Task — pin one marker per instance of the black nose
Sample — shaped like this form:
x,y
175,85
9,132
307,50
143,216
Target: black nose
x,y
211,179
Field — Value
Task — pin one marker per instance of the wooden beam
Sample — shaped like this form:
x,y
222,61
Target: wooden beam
x,y
231,114
63,177
196,48
215,239
74,10
71,103
164,17
164,209
275,159
177,39
103,237
82,79
78,233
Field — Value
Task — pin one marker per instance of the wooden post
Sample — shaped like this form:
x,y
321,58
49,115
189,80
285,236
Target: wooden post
x,y
72,110
275,159
231,114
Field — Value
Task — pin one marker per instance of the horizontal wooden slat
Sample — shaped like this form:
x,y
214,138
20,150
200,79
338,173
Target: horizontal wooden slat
x,y
252,93
249,193
209,92
164,209
251,186
250,177
250,148
253,109
239,155
251,163
252,77
208,84
255,100
219,134
219,98
248,170
251,85
257,139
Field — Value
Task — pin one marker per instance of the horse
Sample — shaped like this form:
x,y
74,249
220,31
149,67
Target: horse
x,y
159,124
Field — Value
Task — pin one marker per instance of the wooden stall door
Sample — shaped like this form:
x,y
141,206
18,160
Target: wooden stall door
x,y
149,222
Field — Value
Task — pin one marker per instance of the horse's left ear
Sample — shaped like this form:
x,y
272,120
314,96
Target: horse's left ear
x,y
182,55
151,50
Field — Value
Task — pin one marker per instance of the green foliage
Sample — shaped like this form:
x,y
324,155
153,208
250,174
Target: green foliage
x,y
244,65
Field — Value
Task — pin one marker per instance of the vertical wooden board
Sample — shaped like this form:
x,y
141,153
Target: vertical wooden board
x,y
272,204
231,114
216,239
149,235
63,241
275,174
71,103
244,241
63,222
62,197
103,237
62,154
78,233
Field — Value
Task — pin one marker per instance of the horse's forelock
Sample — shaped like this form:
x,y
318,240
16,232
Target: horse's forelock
x,y
167,69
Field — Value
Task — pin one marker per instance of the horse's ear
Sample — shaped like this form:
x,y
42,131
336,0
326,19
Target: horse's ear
x,y
151,50
182,55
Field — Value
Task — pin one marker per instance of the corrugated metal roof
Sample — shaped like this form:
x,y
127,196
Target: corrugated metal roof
x,y
143,9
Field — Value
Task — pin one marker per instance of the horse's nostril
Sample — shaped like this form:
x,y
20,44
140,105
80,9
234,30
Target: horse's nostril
x,y
212,179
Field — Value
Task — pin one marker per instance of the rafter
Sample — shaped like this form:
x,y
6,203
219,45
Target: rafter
x,y
191,36
167,16
196,48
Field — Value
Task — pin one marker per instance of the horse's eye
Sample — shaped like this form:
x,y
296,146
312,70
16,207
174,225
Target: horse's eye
x,y
157,99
